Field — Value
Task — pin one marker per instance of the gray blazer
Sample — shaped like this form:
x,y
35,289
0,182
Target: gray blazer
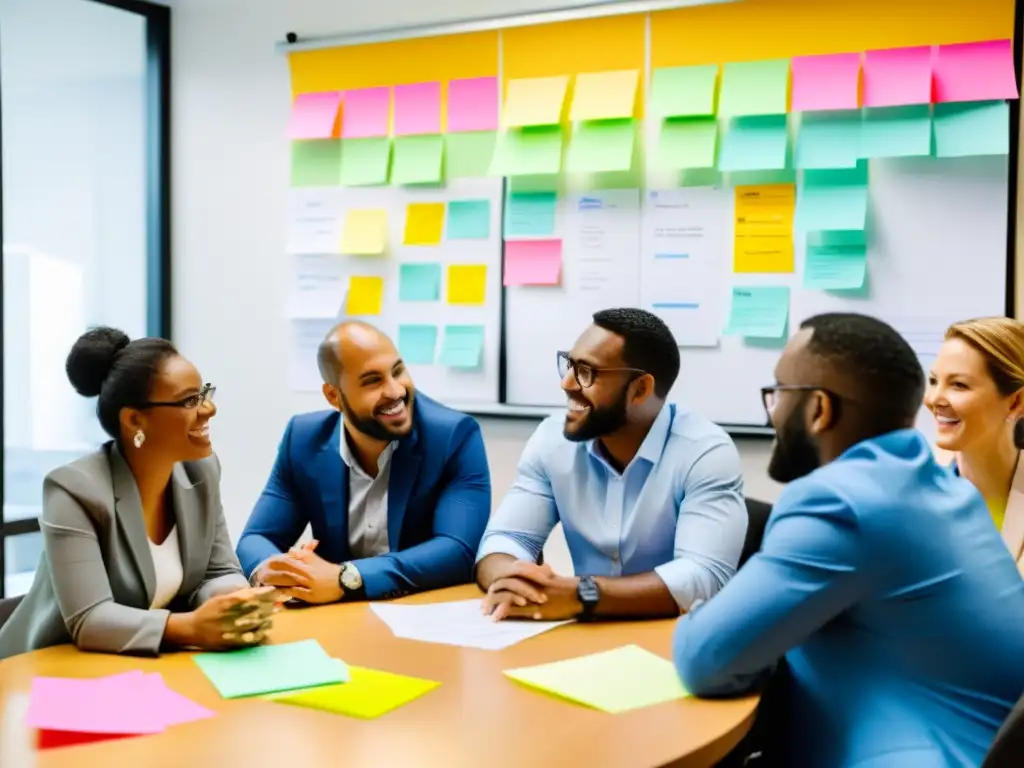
x,y
95,580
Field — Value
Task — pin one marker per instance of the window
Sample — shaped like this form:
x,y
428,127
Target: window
x,y
85,124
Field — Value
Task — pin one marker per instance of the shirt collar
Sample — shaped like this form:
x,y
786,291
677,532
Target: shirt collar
x,y
653,445
350,460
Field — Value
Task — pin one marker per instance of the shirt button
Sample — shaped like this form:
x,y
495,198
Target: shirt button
x,y
615,557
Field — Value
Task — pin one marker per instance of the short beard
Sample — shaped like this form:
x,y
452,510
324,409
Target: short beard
x,y
795,455
370,426
600,421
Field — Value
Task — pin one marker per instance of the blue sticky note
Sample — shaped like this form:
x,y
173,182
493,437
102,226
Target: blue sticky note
x,y
835,199
896,132
463,346
972,128
835,267
419,282
829,140
469,220
759,312
417,343
755,143
530,214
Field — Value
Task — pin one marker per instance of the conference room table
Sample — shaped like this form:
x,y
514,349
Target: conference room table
x,y
476,717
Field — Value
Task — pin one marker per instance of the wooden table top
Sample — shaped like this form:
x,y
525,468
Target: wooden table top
x,y
477,717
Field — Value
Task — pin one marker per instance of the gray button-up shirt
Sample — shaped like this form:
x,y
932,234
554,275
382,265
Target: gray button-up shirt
x,y
367,503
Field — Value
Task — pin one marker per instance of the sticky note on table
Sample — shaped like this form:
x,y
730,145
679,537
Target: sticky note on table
x,y
533,262
826,82
468,155
473,104
463,346
528,152
417,344
419,282
365,295
835,268
314,115
365,113
602,146
418,159
316,163
975,72
754,88
759,312
688,142
604,95
365,162
467,283
967,129
684,91
758,143
829,140
368,694
896,132
424,223
469,219
530,214
534,101
898,76
271,668
365,232
832,200
417,109
612,681
56,703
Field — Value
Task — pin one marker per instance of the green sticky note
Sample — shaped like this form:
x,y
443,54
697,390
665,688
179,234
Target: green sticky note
x,y
839,237
835,267
759,312
612,681
417,343
754,88
468,155
972,128
755,144
271,668
365,162
829,140
836,199
684,91
701,177
463,346
529,214
469,220
688,142
418,159
896,132
419,282
533,151
316,163
602,146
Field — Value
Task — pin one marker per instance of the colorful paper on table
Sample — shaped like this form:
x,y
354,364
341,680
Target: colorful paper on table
x,y
533,262
602,146
469,220
528,152
365,295
463,346
365,232
833,200
688,142
829,140
468,155
467,283
473,104
534,101
684,91
835,268
369,694
612,681
975,72
604,95
826,82
754,88
763,228
418,160
417,109
113,705
418,346
314,115
755,144
759,312
896,132
365,162
419,282
424,223
49,739
530,214
271,668
898,76
316,163
365,113
964,130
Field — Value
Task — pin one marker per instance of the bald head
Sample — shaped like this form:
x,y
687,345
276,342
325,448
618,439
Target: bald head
x,y
346,344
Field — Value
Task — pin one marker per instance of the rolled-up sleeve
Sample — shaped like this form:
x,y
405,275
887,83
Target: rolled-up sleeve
x,y
710,529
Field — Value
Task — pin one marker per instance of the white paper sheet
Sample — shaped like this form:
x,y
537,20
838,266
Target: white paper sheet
x,y
319,285
314,220
306,338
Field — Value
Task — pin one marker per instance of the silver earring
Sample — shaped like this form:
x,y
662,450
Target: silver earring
x,y
139,439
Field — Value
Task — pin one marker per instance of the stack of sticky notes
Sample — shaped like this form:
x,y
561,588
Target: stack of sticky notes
x,y
75,711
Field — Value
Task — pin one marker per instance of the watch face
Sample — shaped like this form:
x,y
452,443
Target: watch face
x,y
589,591
350,578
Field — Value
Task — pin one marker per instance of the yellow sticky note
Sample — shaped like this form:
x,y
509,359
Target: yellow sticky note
x,y
467,283
424,223
764,228
365,296
368,694
604,95
534,101
365,232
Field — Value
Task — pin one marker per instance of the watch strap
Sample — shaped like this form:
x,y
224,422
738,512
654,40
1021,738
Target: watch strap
x,y
589,594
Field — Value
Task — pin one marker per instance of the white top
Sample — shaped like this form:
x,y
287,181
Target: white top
x,y
367,503
167,565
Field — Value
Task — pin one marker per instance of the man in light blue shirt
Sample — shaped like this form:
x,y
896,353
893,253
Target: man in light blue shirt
x,y
650,495
881,579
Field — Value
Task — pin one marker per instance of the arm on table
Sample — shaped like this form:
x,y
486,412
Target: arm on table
x,y
223,573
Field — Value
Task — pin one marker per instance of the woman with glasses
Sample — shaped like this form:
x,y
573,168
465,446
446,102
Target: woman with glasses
x,y
136,551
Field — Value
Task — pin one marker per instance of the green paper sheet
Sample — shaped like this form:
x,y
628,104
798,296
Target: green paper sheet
x,y
688,143
369,694
684,91
468,155
612,681
530,214
835,268
419,282
418,159
365,162
759,312
754,88
469,220
896,132
602,146
316,163
838,237
463,346
271,668
417,343
528,152
836,200
755,144
978,128
829,140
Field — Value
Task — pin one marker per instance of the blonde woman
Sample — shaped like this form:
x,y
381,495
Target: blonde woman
x,y
976,394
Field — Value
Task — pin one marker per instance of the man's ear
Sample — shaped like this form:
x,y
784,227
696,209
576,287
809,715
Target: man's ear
x,y
332,397
821,412
643,388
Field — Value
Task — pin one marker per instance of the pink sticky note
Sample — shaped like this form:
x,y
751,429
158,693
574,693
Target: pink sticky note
x,y
473,104
898,76
975,72
533,262
313,115
365,113
173,707
90,706
825,82
417,109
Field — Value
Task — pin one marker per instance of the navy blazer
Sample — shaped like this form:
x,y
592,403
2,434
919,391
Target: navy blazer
x,y
439,501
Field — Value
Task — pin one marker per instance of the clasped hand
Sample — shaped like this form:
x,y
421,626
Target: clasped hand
x,y
302,574
526,590
232,620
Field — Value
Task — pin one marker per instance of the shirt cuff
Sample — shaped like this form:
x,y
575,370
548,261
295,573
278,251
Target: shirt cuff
x,y
677,577
503,544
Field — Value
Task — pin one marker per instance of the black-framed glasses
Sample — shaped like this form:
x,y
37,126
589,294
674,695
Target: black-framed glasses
x,y
770,395
586,374
205,395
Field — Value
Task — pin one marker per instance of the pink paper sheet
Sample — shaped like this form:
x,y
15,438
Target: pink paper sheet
x,y
313,115
473,104
365,113
825,82
898,76
417,109
975,72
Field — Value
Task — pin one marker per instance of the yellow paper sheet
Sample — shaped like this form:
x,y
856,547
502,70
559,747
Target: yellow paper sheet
x,y
534,101
467,283
370,693
365,296
365,232
604,95
424,223
764,228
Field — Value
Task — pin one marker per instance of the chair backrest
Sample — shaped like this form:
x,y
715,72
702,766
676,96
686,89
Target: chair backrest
x,y
1008,747
757,518
7,606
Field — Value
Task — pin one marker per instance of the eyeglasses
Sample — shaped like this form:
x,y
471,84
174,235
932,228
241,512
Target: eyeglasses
x,y
205,395
586,374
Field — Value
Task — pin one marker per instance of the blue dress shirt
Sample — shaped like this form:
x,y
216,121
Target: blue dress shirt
x,y
677,509
898,608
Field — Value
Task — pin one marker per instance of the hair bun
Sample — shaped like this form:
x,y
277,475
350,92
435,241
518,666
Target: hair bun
x,y
92,357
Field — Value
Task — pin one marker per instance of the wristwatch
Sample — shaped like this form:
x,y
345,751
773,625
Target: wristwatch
x,y
350,580
589,594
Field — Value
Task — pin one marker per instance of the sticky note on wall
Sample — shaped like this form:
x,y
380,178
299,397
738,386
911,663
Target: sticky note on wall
x,y
365,113
604,95
469,219
533,262
755,88
418,159
975,72
602,146
468,155
684,91
530,214
463,346
365,162
757,143
316,163
365,295
417,344
759,312
365,232
419,282
970,129
829,140
533,151
424,223
314,115
473,104
417,109
833,199
835,268
898,76
534,101
896,132
688,142
826,82
467,283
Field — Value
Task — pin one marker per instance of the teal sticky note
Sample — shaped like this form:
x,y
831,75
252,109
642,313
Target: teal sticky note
x,y
832,200
896,132
972,128
417,343
469,220
529,214
463,346
533,151
835,267
757,143
759,312
829,140
839,237
271,668
419,282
